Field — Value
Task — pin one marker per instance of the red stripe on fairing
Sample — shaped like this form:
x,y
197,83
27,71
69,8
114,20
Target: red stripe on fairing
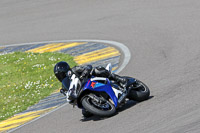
x,y
88,82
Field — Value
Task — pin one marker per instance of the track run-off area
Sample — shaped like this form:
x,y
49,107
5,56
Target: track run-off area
x,y
162,36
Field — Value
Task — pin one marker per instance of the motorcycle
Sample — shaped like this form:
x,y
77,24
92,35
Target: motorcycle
x,y
102,97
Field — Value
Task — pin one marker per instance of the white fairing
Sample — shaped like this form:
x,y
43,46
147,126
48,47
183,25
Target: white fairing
x,y
109,67
98,78
117,92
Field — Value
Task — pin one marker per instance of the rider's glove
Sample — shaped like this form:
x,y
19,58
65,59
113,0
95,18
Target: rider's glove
x,y
81,77
84,74
62,91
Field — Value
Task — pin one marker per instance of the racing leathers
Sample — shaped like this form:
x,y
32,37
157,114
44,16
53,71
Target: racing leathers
x,y
84,72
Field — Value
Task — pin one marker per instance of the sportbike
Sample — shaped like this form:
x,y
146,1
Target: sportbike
x,y
102,97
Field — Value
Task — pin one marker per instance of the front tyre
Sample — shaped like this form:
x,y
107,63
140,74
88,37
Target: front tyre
x,y
140,92
101,109
86,113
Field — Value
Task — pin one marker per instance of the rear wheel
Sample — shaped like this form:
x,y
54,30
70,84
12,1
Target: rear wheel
x,y
140,91
103,108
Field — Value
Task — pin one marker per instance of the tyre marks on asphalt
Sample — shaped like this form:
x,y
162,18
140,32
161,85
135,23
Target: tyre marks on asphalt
x,y
84,52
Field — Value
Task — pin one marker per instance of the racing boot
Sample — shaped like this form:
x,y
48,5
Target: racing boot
x,y
121,81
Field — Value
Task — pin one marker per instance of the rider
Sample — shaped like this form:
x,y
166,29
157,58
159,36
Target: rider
x,y
63,70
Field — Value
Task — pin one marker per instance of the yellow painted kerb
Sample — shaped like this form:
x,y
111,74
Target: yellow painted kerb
x,y
20,119
97,55
2,47
55,47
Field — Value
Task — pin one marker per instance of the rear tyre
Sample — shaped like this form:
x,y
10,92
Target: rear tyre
x,y
101,109
140,92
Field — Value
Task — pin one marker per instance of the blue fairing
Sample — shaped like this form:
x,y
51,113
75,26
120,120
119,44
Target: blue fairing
x,y
100,87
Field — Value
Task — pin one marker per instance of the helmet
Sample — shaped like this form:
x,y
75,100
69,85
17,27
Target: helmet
x,y
61,69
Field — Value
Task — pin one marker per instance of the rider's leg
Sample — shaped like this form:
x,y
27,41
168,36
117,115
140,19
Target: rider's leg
x,y
121,80
102,72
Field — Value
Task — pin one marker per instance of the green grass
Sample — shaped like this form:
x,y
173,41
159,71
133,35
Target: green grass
x,y
25,78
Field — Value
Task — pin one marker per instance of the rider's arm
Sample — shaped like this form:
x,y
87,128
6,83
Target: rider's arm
x,y
82,71
86,72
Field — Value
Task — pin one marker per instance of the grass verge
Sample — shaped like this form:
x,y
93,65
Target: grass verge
x,y
26,78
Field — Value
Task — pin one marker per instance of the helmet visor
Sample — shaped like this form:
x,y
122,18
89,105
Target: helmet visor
x,y
66,83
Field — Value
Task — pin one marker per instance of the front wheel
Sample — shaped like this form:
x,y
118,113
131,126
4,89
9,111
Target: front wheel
x,y
86,113
140,92
105,108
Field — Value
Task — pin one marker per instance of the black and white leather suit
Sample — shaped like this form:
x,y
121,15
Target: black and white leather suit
x,y
84,72
88,70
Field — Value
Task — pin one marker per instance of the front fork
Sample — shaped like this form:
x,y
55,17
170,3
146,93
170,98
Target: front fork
x,y
97,99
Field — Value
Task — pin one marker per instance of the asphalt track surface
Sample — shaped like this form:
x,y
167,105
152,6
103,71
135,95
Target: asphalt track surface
x,y
163,37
